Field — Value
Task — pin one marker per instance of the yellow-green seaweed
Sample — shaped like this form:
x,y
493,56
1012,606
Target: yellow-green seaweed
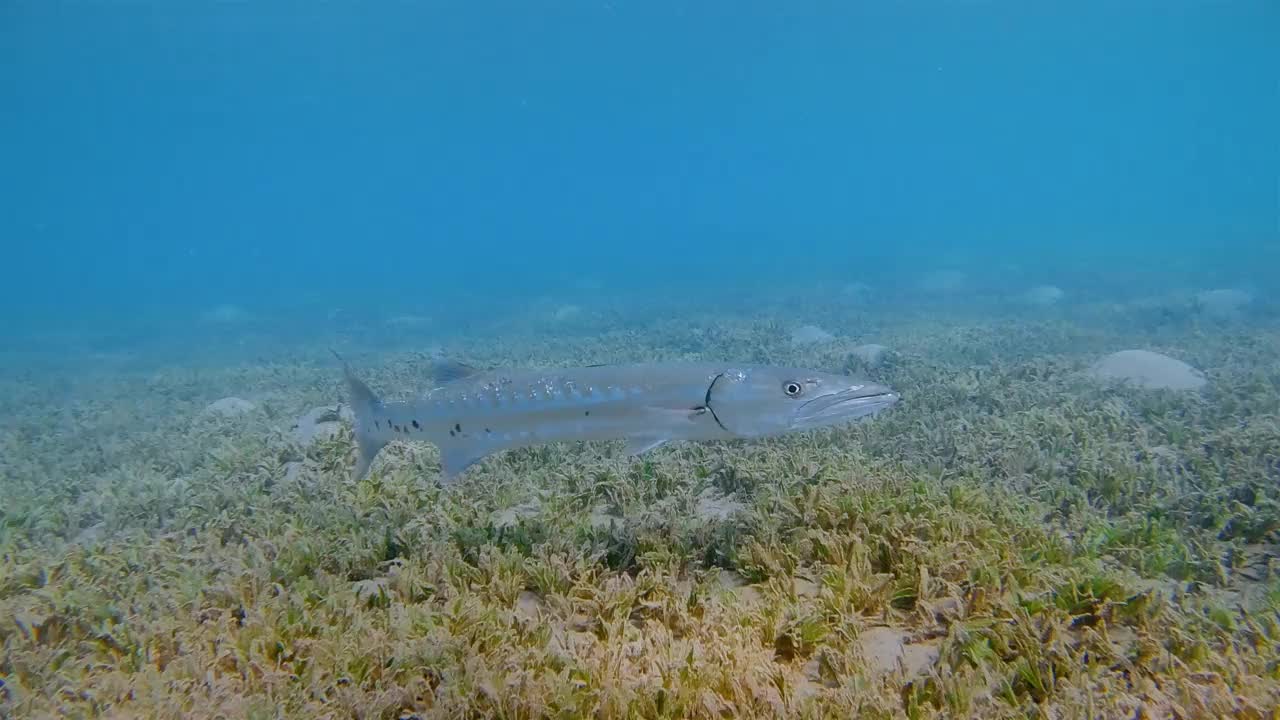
x,y
1011,541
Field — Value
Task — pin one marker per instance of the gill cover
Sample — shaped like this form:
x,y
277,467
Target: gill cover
x,y
750,404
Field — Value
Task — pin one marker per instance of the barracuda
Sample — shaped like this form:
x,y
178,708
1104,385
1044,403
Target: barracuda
x,y
476,413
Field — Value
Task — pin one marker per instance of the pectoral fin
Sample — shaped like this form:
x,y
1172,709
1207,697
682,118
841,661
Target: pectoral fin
x,y
454,460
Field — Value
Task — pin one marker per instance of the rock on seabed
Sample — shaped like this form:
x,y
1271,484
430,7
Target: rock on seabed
x,y
1044,295
229,407
810,335
1148,369
322,423
1225,302
871,353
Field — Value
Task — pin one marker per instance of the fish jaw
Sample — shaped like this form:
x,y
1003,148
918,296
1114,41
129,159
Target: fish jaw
x,y
854,403
763,401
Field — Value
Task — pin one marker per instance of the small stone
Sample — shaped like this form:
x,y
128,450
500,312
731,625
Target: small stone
x,y
374,589
946,609
322,423
856,292
1254,573
225,314
714,506
91,535
871,353
1044,295
566,312
528,604
1223,303
810,335
408,321
513,515
728,580
1122,639
733,583
943,281
804,587
292,471
229,407
601,519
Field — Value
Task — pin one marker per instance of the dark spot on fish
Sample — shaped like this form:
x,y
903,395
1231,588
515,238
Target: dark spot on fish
x,y
416,426
452,433
587,413
377,424
487,430
457,427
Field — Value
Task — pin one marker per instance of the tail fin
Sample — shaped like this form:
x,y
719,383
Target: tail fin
x,y
364,404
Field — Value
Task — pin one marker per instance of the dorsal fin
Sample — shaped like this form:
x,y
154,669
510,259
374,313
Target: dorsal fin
x,y
445,371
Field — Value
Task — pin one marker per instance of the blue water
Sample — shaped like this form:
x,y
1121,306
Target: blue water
x,y
160,158
199,199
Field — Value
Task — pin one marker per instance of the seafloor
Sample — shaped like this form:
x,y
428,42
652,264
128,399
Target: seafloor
x,y
1014,539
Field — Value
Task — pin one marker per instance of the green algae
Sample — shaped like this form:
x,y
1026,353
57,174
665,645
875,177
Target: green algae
x,y
1010,541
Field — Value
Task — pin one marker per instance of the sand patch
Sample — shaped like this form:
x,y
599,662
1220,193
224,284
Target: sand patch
x,y
887,649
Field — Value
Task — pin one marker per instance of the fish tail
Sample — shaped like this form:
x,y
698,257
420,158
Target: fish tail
x,y
365,406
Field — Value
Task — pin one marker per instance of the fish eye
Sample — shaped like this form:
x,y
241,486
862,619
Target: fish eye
x,y
792,388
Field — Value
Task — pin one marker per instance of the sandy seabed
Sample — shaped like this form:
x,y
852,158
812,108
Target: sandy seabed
x,y
1014,539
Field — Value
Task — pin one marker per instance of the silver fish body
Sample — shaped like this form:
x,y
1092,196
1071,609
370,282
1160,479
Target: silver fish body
x,y
647,405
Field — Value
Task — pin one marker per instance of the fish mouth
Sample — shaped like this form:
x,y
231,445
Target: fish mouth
x,y
856,402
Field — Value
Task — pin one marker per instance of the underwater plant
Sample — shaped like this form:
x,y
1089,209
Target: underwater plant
x,y
1014,540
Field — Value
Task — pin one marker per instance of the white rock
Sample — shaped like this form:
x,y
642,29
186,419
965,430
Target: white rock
x,y
225,314
943,281
714,506
322,423
871,353
509,517
91,535
1044,295
601,519
1147,369
229,407
566,312
857,292
1223,303
408,321
292,471
810,335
